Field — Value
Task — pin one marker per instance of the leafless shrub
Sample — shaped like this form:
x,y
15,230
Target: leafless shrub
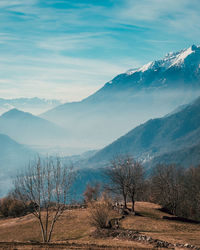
x,y
91,193
100,213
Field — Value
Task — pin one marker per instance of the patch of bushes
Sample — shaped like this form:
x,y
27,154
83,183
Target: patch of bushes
x,y
177,190
10,207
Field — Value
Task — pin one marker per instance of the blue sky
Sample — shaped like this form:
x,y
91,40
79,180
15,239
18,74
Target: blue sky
x,y
68,49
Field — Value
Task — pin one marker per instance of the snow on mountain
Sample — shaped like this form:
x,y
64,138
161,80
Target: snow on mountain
x,y
130,72
171,59
179,59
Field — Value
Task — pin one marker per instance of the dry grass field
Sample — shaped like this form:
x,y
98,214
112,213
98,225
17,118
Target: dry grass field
x,y
73,230
151,223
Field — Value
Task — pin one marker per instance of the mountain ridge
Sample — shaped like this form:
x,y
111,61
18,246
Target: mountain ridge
x,y
34,105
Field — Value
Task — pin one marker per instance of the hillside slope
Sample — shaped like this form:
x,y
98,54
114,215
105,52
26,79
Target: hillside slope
x,y
13,157
186,157
73,229
157,136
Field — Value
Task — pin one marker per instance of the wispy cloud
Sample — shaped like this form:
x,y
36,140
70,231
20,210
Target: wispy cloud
x,y
176,15
6,37
79,41
63,77
11,3
71,48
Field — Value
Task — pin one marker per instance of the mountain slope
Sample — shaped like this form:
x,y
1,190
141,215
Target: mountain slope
x,y
185,157
157,136
31,130
11,151
132,98
13,157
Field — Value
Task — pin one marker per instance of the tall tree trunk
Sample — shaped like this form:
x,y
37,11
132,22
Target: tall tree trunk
x,y
125,202
133,204
56,216
47,222
51,229
44,234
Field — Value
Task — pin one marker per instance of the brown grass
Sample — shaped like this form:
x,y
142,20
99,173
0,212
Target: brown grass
x,y
74,227
151,223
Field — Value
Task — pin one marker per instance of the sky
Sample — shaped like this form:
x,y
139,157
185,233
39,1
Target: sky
x,y
60,49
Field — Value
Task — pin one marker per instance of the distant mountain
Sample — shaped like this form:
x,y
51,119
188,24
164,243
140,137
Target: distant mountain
x,y
13,158
34,105
31,130
172,136
132,98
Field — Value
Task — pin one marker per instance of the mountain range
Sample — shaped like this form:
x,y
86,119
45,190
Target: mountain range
x,y
131,98
119,119
34,105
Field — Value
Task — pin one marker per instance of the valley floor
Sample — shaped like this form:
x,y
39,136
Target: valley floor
x,y
73,231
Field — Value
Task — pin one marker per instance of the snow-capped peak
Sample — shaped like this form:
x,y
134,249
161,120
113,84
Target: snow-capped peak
x,y
171,59
181,57
141,69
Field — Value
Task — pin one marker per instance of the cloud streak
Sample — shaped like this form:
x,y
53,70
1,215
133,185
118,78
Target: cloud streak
x,y
174,15
63,77
74,41
73,48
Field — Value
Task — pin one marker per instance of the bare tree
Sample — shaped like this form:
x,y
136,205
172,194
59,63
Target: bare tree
x,y
191,207
135,180
46,185
126,177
